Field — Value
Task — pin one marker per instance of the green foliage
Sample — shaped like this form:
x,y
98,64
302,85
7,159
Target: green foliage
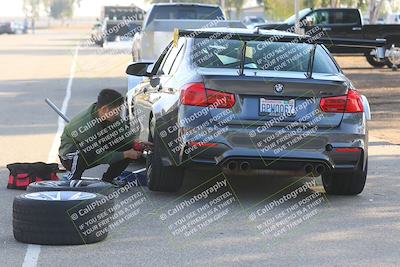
x,y
31,8
279,10
57,9
60,9
282,9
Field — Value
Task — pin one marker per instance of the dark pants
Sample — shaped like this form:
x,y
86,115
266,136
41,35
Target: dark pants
x,y
77,164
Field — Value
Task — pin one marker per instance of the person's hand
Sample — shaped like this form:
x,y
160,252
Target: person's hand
x,y
132,154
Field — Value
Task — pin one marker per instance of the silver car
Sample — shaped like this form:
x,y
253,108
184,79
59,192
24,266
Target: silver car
x,y
251,102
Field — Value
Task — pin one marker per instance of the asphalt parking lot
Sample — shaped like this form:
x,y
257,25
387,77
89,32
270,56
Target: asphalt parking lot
x,y
333,230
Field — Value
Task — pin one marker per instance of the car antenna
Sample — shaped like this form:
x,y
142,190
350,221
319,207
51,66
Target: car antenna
x,y
311,62
243,55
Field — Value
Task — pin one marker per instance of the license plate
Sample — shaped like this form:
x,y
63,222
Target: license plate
x,y
125,38
275,107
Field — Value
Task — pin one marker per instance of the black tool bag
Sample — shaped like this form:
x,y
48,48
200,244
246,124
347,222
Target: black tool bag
x,y
22,174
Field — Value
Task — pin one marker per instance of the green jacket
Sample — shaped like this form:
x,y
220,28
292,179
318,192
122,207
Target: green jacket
x,y
98,142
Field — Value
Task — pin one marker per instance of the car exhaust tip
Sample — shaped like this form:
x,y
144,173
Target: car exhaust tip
x,y
232,165
308,168
244,166
320,169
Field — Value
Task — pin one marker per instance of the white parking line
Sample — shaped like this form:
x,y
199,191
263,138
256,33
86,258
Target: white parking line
x,y
33,251
31,256
61,123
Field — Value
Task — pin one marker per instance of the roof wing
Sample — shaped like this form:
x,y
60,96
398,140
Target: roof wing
x,y
283,37
378,44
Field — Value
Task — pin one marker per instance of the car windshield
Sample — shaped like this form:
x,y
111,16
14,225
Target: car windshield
x,y
260,55
291,20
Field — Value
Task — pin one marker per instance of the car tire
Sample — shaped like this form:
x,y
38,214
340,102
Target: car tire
x,y
73,185
373,62
46,221
159,177
346,182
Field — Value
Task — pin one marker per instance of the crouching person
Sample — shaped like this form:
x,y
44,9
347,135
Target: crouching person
x,y
99,135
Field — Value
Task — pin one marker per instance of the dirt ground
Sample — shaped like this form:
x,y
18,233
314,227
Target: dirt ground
x,y
382,87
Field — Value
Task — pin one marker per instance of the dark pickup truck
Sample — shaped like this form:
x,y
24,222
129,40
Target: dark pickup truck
x,y
345,23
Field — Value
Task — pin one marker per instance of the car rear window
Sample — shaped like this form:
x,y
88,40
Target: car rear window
x,y
276,56
184,12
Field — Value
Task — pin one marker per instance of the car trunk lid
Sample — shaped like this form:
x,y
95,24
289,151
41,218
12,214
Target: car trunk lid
x,y
284,97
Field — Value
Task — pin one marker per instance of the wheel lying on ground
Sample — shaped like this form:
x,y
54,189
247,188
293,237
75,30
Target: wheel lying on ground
x,y
73,185
345,183
58,218
159,177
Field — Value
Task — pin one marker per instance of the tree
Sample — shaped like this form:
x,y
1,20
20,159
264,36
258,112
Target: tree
x,y
233,5
278,10
335,3
31,8
238,4
395,6
374,10
60,9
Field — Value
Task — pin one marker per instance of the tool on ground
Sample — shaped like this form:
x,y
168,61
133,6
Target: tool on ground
x,y
22,174
56,109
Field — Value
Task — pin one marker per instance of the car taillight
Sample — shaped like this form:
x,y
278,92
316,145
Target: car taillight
x,y
350,103
348,149
202,144
195,94
354,102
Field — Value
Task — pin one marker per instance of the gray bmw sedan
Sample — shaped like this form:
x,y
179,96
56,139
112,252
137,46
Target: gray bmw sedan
x,y
251,101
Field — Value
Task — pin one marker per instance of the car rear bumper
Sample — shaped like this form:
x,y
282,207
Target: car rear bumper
x,y
340,148
287,160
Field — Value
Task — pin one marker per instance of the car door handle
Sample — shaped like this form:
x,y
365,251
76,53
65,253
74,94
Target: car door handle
x,y
326,28
356,28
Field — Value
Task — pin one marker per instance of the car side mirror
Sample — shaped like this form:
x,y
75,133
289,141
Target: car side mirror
x,y
139,69
150,68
